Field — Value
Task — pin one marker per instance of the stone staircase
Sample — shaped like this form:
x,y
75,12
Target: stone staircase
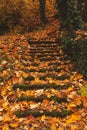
x,y
44,89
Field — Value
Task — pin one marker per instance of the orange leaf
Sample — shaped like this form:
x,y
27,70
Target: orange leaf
x,y
53,127
31,128
43,118
14,125
73,118
5,127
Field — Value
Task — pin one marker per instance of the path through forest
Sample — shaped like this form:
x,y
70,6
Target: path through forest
x,y
39,87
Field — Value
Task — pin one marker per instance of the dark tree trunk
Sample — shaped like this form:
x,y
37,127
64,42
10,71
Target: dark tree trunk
x,y
42,11
84,10
62,8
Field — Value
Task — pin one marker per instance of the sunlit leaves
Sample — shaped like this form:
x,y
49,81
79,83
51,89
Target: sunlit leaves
x,y
53,127
73,118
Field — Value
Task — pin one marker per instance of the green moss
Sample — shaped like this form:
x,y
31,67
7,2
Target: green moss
x,y
1,79
31,70
83,91
32,98
34,113
43,77
40,86
1,68
42,70
47,59
34,64
55,63
30,78
57,69
41,98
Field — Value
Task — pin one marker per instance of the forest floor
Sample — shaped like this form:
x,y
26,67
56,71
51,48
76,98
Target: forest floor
x,y
40,88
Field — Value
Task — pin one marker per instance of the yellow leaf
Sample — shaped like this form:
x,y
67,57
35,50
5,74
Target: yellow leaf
x,y
78,77
74,127
60,128
14,125
31,128
50,81
70,89
43,118
48,95
36,80
71,105
5,105
25,75
53,127
5,127
73,118
7,119
4,72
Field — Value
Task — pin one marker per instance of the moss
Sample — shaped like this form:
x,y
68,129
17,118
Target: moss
x,y
57,99
42,70
31,59
1,68
47,59
34,64
83,91
40,86
34,113
32,98
1,79
31,70
30,78
57,69
43,77
41,98
55,63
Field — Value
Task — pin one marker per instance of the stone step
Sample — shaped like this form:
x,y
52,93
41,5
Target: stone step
x,y
43,51
41,42
35,113
41,86
41,98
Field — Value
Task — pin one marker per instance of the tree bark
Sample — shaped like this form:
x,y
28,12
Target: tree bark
x,y
42,11
62,8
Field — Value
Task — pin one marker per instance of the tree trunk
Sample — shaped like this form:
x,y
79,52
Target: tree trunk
x,y
84,10
62,8
42,11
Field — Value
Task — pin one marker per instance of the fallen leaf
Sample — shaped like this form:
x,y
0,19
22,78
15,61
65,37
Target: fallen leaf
x,y
1,118
53,127
71,105
73,118
5,127
31,128
43,118
14,125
